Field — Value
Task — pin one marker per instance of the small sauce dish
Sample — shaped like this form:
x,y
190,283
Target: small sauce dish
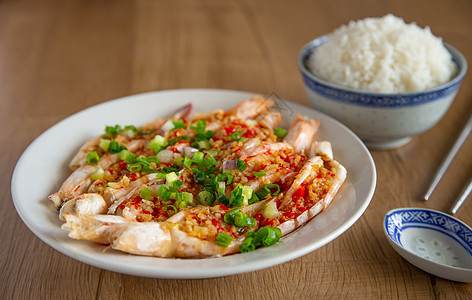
x,y
432,241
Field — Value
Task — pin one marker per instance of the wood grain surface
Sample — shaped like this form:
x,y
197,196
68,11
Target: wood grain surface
x,y
59,57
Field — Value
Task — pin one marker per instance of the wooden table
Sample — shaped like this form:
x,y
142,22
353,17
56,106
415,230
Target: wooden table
x,y
59,57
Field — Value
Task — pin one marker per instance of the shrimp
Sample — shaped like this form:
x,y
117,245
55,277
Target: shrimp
x,y
269,120
163,239
334,177
301,133
340,174
85,204
79,181
92,144
321,148
80,158
251,108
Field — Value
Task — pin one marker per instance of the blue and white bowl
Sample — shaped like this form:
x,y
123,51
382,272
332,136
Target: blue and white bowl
x,y
382,121
432,241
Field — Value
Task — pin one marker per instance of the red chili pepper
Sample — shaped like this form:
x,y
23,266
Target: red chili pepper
x,y
133,176
137,199
289,215
300,192
223,207
269,222
230,130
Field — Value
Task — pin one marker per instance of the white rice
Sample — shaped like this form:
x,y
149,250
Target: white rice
x,y
383,55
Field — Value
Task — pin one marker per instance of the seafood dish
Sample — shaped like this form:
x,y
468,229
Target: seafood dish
x,y
199,185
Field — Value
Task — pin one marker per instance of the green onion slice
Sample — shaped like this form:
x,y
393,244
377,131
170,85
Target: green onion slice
x,y
105,144
241,165
223,239
247,245
145,193
127,156
92,158
170,206
98,174
280,133
260,173
272,188
206,198
134,168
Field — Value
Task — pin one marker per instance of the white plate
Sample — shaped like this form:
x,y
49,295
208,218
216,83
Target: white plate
x,y
44,165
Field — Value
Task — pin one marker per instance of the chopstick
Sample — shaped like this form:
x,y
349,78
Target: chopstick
x,y
464,194
450,156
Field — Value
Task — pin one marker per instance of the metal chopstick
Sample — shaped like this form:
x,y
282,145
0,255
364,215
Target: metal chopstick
x,y
450,156
464,194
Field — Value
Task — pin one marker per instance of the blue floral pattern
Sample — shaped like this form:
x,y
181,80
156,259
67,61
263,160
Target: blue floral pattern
x,y
378,101
398,220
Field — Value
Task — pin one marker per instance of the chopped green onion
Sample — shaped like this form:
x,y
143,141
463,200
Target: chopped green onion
x,y
247,194
222,199
253,199
236,198
278,233
97,174
262,193
92,158
206,198
105,145
157,143
270,187
183,199
260,173
240,219
210,161
171,206
176,183
177,139
153,158
224,240
197,157
220,189
247,245
236,136
134,168
115,147
251,222
241,165
203,144
280,133
199,127
265,236
163,193
127,156
145,193
187,162
161,175
229,216
171,177
129,131
112,130
178,124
